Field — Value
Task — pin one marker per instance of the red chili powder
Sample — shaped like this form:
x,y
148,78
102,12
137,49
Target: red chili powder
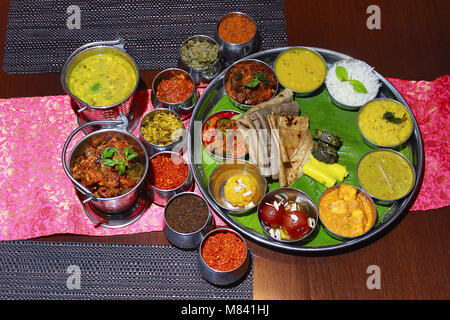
x,y
167,174
223,251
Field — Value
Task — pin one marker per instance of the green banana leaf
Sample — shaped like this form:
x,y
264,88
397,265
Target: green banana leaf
x,y
323,114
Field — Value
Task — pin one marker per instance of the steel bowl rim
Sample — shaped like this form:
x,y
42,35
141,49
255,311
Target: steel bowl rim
x,y
184,161
180,195
146,157
244,162
236,13
379,145
207,38
223,229
173,104
245,60
315,207
401,156
306,49
178,140
213,154
71,59
337,235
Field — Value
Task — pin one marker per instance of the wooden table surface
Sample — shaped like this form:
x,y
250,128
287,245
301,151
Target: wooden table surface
x,y
413,258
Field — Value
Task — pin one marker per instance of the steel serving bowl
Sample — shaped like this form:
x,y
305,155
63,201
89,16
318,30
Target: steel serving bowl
x,y
339,103
290,194
202,76
300,93
235,51
106,205
94,113
187,240
177,145
162,196
223,278
337,235
228,73
218,157
378,199
220,175
376,145
183,108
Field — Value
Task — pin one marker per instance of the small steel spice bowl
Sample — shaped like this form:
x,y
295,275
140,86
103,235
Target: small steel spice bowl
x,y
176,145
235,51
223,278
187,240
202,76
160,196
183,108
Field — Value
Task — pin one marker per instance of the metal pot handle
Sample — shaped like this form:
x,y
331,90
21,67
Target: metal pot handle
x,y
89,196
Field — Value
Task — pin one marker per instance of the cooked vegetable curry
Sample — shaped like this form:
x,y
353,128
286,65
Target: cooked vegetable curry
x,y
102,79
346,211
385,175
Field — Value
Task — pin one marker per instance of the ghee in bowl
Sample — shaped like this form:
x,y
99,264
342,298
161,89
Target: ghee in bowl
x,y
300,69
385,123
102,79
385,174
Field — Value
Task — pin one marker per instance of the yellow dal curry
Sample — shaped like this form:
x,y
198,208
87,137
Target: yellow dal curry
x,y
385,175
380,130
300,69
102,79
346,211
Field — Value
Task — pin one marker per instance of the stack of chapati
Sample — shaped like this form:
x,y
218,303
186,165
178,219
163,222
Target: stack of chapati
x,y
278,139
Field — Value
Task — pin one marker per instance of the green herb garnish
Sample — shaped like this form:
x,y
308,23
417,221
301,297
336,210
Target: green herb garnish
x,y
342,74
121,162
389,116
95,87
258,78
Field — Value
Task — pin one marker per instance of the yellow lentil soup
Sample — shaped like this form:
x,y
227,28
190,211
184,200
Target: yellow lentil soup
x,y
385,174
385,122
300,69
102,79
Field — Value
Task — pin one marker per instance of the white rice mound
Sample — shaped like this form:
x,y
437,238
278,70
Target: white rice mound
x,y
343,92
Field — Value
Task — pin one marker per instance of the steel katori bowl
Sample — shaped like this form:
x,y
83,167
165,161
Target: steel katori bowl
x,y
177,145
183,108
162,196
223,278
235,51
201,75
94,113
192,239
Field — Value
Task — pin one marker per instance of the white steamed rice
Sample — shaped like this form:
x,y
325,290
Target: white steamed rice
x,y
343,92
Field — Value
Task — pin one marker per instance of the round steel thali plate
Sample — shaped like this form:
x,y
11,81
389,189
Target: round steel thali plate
x,y
214,95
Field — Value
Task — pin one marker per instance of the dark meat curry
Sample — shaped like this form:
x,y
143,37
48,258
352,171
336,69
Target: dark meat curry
x,y
108,169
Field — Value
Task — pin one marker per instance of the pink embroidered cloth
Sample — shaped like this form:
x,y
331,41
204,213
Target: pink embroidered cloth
x,y
38,199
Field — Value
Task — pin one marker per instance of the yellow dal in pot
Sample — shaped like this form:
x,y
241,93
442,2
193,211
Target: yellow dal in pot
x,y
381,131
300,69
385,175
102,79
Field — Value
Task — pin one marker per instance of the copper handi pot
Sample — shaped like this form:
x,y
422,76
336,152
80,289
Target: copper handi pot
x,y
94,113
117,128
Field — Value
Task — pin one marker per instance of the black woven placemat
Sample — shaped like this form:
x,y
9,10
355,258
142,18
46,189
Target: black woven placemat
x,y
39,40
81,271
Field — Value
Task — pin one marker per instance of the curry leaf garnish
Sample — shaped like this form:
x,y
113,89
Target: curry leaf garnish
x,y
389,116
95,87
342,74
258,78
121,162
